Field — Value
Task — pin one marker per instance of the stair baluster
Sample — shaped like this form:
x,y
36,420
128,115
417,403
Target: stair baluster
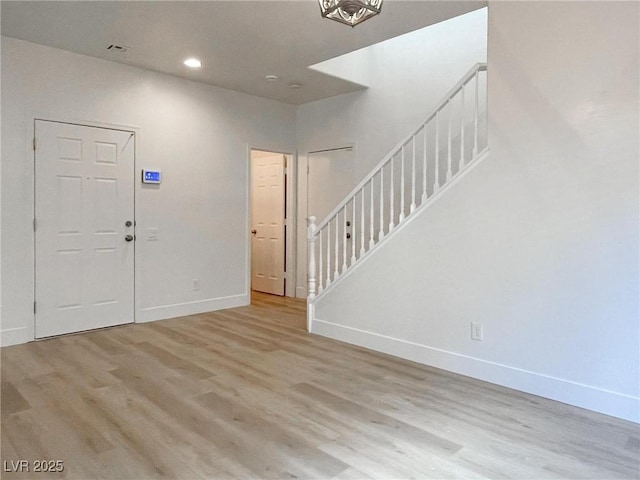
x,y
362,221
381,231
475,120
424,165
401,216
449,118
461,162
436,182
391,197
319,283
353,237
372,240
336,272
312,260
413,175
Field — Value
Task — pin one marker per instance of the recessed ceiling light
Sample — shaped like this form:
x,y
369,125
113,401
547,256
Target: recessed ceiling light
x,y
295,85
193,63
271,78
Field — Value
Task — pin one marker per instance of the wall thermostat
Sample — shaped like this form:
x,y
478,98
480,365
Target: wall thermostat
x,y
151,176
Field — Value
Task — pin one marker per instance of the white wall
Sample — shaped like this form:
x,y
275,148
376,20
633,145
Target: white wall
x,y
198,135
0,194
539,243
407,77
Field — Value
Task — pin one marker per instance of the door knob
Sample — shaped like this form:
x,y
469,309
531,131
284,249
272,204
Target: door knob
x,y
254,231
348,235
128,238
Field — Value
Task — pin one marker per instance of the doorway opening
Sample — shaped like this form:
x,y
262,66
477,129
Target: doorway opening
x,y
272,244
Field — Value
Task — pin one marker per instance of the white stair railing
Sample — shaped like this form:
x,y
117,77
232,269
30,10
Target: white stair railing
x,y
437,152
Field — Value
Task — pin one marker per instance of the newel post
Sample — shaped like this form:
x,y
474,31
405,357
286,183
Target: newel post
x,y
311,237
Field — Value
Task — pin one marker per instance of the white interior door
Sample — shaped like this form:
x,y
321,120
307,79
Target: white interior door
x,y
84,254
330,179
268,222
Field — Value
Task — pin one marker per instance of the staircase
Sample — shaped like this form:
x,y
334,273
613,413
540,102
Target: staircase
x,y
411,177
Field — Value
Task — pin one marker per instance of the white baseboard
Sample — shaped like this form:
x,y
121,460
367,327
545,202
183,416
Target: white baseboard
x,y
599,400
15,336
301,292
162,312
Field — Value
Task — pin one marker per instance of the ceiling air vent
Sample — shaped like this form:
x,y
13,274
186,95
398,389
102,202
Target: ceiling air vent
x,y
118,48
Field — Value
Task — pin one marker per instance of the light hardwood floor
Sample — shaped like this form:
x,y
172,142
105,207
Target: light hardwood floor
x,y
247,393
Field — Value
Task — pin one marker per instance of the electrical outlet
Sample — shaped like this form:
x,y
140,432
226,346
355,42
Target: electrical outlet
x,y
196,284
476,331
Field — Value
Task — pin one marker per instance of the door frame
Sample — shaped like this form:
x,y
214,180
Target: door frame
x,y
290,212
349,147
31,155
303,211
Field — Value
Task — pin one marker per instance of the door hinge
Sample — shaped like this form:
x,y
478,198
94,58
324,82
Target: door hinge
x,y
284,159
34,224
34,307
34,144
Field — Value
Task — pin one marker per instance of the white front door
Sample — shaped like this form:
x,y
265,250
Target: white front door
x,y
267,222
84,228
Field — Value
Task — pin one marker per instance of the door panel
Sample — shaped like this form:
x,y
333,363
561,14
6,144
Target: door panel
x,y
330,178
267,217
84,195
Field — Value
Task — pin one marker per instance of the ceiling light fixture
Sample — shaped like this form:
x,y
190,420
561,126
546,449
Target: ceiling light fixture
x,y
295,85
193,63
271,78
350,12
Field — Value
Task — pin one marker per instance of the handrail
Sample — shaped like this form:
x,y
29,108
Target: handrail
x,y
478,67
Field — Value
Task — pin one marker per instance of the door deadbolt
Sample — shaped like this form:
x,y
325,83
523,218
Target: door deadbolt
x,y
128,223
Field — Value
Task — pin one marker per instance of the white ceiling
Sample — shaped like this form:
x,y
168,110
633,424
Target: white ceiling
x,y
239,42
